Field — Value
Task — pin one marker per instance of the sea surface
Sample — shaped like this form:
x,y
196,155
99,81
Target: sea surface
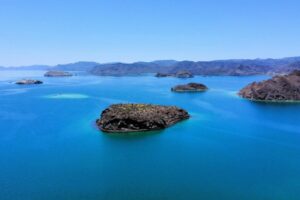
x,y
230,148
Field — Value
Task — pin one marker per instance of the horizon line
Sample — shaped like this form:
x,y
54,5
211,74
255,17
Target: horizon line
x,y
155,60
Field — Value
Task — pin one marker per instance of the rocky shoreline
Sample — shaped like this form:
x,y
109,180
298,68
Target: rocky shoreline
x,y
283,88
125,118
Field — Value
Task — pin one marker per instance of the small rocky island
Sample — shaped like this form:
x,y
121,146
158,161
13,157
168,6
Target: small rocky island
x,y
179,74
124,118
278,89
28,82
57,74
184,74
190,87
162,75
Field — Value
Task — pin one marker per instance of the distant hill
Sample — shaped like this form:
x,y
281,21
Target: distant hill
x,y
292,66
233,67
165,62
121,69
78,66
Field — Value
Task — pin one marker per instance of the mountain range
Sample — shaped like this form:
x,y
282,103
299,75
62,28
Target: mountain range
x,y
233,67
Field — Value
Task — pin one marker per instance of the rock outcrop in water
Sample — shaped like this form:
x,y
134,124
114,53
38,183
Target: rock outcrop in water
x,y
184,74
190,87
57,74
179,74
122,118
28,82
278,88
162,75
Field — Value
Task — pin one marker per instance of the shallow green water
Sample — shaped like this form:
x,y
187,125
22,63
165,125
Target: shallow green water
x,y
229,149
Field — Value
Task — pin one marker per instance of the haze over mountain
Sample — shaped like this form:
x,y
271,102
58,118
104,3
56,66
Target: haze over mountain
x,y
77,66
236,67
218,67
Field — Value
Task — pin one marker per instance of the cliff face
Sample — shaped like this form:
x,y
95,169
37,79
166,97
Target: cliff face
x,y
278,88
122,118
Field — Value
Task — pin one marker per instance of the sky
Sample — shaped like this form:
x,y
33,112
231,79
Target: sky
x,y
63,31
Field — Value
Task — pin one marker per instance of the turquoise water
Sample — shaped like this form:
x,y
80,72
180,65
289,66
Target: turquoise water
x,y
229,149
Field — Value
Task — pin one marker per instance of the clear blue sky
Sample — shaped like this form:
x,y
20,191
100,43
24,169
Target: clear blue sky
x,y
62,31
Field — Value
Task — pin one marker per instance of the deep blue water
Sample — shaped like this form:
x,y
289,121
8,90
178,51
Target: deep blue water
x,y
229,149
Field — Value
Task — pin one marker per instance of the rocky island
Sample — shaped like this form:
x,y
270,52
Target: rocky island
x,y
184,74
57,74
162,75
28,82
278,89
179,74
190,87
124,118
